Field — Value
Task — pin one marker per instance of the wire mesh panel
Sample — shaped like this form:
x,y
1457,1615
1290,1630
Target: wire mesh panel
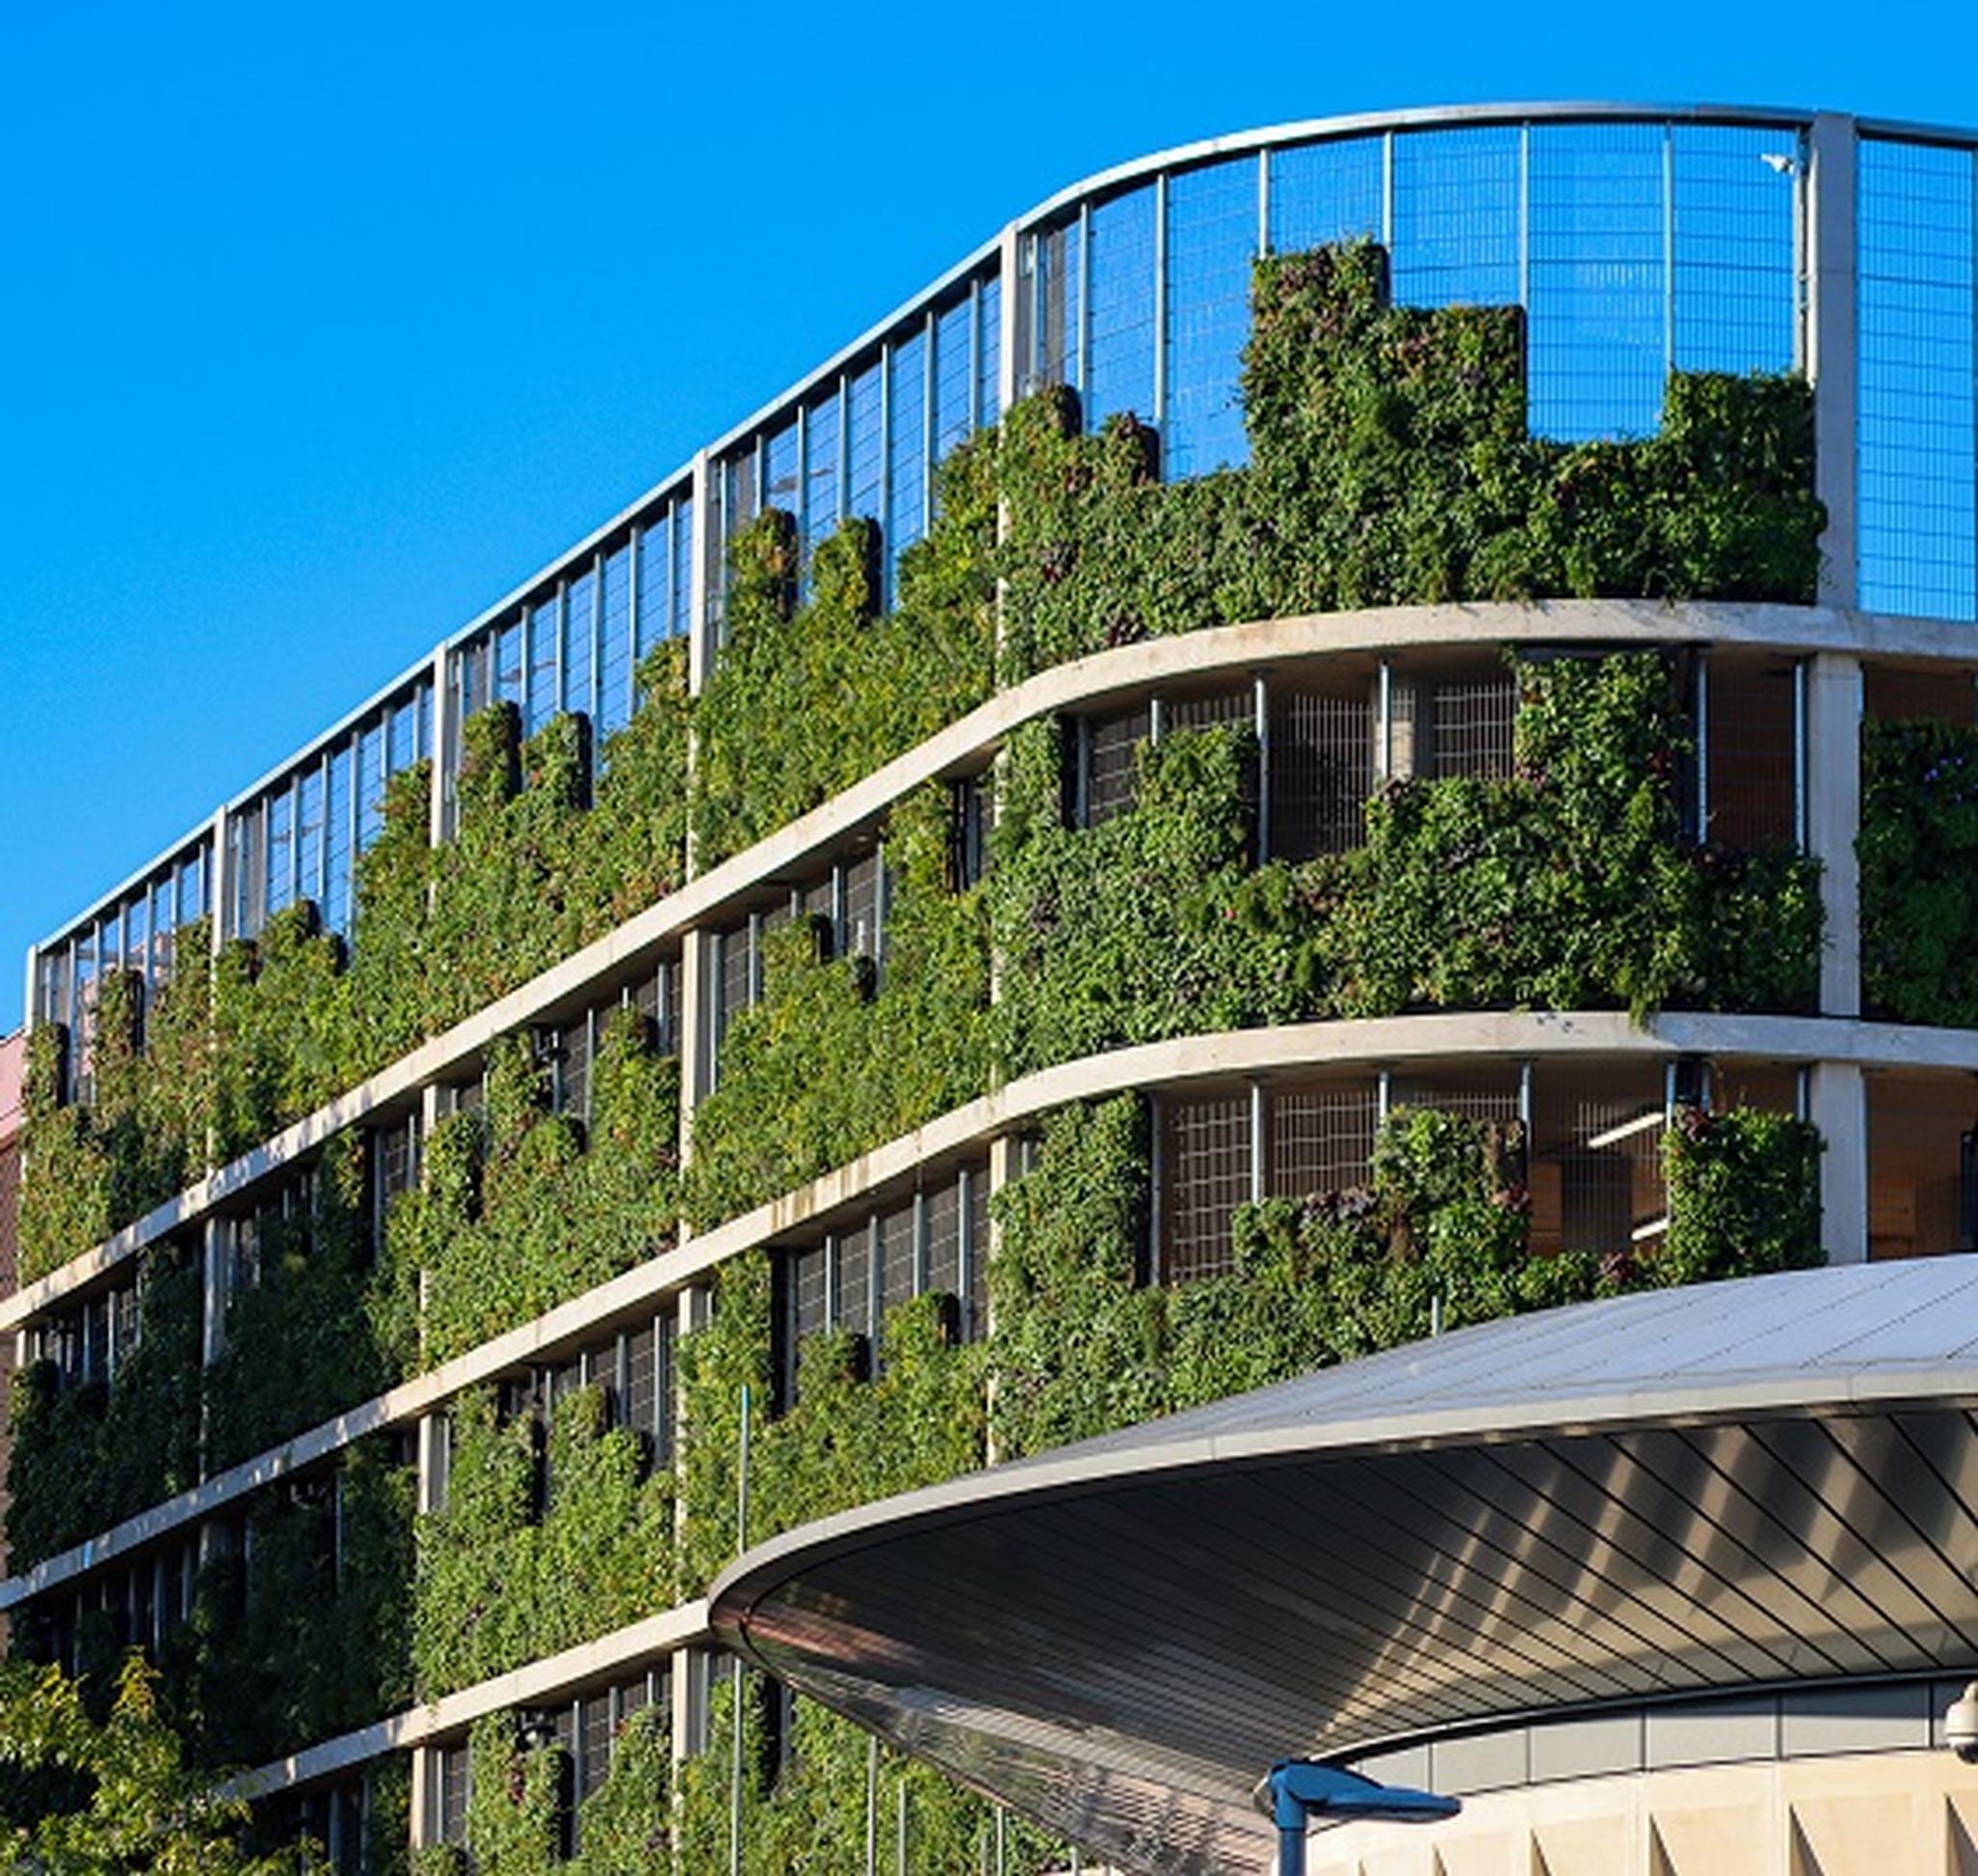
x,y
1595,1168
452,1790
1890,694
1456,226
1053,307
975,1249
1205,1175
1321,1139
944,1224
1597,285
1322,772
899,1254
614,639
1489,1092
1734,199
1754,755
1120,319
864,445
852,1305
1471,726
821,448
1212,710
862,937
1323,193
1917,494
1109,755
907,451
953,393
594,1730
1212,236
735,963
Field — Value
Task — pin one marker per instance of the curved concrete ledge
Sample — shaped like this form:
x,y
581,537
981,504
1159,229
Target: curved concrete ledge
x,y
1509,1035
964,746
555,1676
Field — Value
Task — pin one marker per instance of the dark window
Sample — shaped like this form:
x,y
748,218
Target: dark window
x,y
1108,764
1753,754
852,1303
861,933
968,831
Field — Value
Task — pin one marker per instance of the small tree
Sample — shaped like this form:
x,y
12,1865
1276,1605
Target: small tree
x,y
79,1799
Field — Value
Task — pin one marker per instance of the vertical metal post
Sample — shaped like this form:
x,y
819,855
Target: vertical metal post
x,y
1258,1112
1703,744
1830,346
1800,770
1160,321
1263,246
1260,716
872,1807
735,1772
900,1828
1667,251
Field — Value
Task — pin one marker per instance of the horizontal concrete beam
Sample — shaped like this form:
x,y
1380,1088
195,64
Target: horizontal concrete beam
x,y
554,1678
1244,1054
964,746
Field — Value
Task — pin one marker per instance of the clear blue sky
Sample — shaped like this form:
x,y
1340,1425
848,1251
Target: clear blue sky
x,y
321,327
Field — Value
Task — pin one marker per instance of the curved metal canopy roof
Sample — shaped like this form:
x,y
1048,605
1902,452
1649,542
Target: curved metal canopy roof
x,y
1746,1483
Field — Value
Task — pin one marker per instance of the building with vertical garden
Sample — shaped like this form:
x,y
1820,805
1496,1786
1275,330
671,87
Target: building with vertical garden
x,y
1340,732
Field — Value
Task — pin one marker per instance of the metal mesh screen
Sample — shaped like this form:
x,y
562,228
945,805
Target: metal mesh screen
x,y
1489,1094
1322,772
1890,694
976,1247
1470,726
862,937
1204,1177
593,1742
853,1308
898,1255
1211,711
1753,754
1594,1169
1321,1139
1112,776
1918,496
944,1238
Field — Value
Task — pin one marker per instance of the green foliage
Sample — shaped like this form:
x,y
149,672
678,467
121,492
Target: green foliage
x,y
1390,465
310,1640
244,1042
807,1817
514,1817
519,1208
835,1057
312,1264
87,1455
805,699
499,1585
84,1798
1918,848
1744,1196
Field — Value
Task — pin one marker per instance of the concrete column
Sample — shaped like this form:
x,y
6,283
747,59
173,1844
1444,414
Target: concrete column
x,y
445,742
690,1679
1011,326
432,1438
1834,818
700,577
218,882
425,1778
213,1291
696,1028
1838,1105
1830,353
